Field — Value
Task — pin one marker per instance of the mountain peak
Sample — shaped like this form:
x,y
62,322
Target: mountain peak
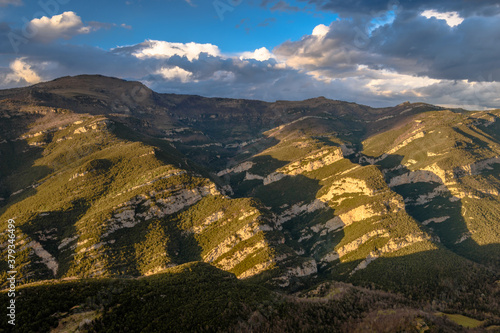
x,y
89,82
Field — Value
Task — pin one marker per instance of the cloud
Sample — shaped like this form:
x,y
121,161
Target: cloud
x,y
430,47
411,58
328,52
465,8
267,22
451,18
413,45
282,6
261,54
22,72
320,30
175,73
463,94
162,50
4,3
225,76
65,25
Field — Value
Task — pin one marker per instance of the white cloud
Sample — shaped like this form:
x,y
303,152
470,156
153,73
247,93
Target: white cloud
x,y
307,68
320,30
387,83
452,18
174,73
261,54
161,49
65,25
22,71
463,94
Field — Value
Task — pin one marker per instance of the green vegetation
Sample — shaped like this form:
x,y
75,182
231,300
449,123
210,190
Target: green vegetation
x,y
111,191
196,297
462,320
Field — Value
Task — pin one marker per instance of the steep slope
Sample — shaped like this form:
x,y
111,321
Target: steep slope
x,y
343,216
211,131
107,178
91,199
446,166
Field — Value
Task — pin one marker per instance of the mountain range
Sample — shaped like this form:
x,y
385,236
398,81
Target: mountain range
x,y
315,215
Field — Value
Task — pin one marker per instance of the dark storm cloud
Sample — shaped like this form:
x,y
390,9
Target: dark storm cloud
x,y
413,45
468,51
465,8
374,58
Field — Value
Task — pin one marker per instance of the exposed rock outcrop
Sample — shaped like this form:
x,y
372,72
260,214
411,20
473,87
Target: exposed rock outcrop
x,y
208,221
246,232
347,185
419,176
406,142
273,177
298,209
47,259
393,245
313,162
306,268
127,217
436,220
237,169
230,262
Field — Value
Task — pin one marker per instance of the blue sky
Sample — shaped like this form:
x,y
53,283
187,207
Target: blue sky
x,y
232,28
376,52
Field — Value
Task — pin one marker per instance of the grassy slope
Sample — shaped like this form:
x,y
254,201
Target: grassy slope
x,y
113,161
87,176
450,142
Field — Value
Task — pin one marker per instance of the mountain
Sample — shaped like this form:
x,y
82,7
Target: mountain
x,y
107,179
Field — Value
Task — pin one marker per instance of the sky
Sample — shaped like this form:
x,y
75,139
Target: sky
x,y
373,52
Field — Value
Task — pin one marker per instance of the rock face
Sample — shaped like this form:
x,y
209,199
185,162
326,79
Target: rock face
x,y
177,200
274,177
313,162
47,259
406,142
392,246
354,245
298,209
208,221
477,167
237,169
291,192
364,212
419,176
249,176
230,262
347,185
227,244
436,220
305,269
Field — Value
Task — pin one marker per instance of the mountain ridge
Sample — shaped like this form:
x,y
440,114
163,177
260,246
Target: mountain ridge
x,y
119,181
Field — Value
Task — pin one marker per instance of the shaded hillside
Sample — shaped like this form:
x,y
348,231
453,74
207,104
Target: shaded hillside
x,y
198,298
106,178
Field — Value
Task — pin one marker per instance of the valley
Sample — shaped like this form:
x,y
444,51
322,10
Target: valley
x,y
264,211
